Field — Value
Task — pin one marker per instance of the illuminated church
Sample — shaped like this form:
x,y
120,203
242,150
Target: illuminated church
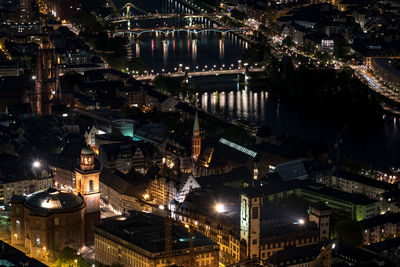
x,y
47,221
47,90
219,156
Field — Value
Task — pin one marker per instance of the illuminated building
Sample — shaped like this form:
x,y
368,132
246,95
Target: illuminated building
x,y
380,228
358,184
320,214
122,192
123,127
250,208
177,154
46,92
196,139
46,221
356,206
200,210
139,240
25,9
124,156
63,9
21,178
87,184
262,236
221,156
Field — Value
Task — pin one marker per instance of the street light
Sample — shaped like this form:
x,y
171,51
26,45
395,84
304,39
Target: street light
x,y
220,208
36,164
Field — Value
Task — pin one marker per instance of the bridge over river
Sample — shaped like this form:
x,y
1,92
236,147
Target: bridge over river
x,y
188,74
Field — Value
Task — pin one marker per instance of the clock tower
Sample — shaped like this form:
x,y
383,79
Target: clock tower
x,y
87,184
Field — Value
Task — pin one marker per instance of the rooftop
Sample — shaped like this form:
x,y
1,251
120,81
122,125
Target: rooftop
x,y
51,199
147,231
366,180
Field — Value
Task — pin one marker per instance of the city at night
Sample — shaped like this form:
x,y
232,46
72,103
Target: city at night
x,y
200,133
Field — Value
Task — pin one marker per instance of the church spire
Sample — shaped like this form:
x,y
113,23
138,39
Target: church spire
x,y
196,139
196,126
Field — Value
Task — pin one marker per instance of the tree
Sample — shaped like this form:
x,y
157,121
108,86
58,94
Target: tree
x,y
136,64
69,257
287,41
347,230
338,47
239,15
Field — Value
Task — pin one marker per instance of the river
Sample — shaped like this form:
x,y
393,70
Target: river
x,y
378,147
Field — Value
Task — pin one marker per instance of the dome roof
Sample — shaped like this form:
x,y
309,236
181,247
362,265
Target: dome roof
x,y
54,199
87,151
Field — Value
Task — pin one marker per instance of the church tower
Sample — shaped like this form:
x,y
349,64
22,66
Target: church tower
x,y
196,139
88,185
47,91
250,215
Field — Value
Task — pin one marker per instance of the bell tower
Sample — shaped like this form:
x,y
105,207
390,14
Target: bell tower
x,y
88,185
196,139
47,91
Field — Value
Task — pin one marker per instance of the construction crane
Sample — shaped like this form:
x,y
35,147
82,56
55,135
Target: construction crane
x,y
338,142
168,222
168,237
191,245
324,258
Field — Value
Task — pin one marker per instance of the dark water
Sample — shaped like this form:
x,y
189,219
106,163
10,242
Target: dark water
x,y
207,50
378,147
222,95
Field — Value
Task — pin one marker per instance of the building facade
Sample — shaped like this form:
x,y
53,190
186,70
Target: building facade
x,y
139,240
47,91
88,185
46,221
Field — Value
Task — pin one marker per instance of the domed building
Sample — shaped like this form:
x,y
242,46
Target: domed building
x,y
47,221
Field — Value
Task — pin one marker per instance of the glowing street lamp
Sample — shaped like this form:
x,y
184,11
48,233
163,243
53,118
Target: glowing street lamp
x,y
220,208
146,196
36,164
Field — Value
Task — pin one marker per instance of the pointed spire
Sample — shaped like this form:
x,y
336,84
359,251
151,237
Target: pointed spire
x,y
196,126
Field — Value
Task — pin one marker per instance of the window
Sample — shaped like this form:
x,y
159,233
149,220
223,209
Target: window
x,y
91,188
57,220
69,234
69,220
56,239
254,241
91,205
38,239
37,223
17,211
254,213
18,228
